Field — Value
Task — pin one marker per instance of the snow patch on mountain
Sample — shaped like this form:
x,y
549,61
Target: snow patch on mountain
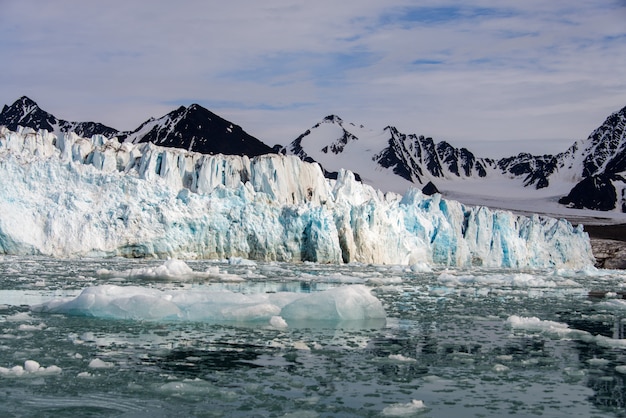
x,y
391,160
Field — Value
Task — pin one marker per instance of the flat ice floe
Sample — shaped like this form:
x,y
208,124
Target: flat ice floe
x,y
344,303
561,330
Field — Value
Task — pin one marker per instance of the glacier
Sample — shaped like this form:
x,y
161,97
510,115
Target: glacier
x,y
66,196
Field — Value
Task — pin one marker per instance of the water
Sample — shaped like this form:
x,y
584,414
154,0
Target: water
x,y
450,345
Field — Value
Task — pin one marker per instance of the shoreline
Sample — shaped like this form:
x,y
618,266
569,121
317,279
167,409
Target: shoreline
x,y
615,232
608,244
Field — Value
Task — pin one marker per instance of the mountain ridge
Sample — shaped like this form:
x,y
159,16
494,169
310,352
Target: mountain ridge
x,y
594,168
193,128
27,113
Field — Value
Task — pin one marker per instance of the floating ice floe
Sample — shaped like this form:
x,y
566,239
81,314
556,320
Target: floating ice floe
x,y
344,303
404,409
562,330
100,364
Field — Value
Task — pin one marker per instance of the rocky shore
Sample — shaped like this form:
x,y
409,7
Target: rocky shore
x,y
608,243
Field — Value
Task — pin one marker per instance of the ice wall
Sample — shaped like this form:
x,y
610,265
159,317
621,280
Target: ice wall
x,y
71,197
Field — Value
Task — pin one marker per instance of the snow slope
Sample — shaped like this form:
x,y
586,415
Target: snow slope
x,y
68,196
391,160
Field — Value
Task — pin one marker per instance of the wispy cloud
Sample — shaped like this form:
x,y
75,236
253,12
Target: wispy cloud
x,y
459,71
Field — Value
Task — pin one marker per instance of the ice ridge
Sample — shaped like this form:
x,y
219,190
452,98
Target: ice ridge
x,y
69,196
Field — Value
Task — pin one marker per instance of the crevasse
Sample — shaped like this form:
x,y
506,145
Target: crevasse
x,y
71,197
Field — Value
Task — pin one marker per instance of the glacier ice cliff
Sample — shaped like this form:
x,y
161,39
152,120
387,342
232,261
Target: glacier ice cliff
x,y
68,196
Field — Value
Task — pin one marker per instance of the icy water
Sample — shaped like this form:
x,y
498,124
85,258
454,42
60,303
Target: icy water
x,y
455,343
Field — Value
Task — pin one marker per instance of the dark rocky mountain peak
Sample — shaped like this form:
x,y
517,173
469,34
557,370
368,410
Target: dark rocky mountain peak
x,y
196,128
25,112
193,128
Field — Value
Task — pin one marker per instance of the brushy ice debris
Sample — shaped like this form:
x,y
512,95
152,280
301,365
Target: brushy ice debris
x,y
404,409
561,330
72,197
518,280
500,368
400,357
30,368
172,269
613,304
345,303
238,261
598,362
620,369
421,267
100,364
301,414
278,322
536,324
19,317
30,327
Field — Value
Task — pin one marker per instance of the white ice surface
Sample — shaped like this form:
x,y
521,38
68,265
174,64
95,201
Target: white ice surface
x,y
495,190
72,197
404,410
30,368
345,303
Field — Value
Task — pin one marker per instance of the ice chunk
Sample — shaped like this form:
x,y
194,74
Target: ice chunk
x,y
404,409
400,357
500,368
169,270
110,301
100,364
278,322
345,303
31,367
536,324
598,362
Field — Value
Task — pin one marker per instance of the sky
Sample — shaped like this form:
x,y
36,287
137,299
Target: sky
x,y
497,77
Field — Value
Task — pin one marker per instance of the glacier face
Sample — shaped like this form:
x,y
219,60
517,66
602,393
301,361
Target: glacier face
x,y
68,196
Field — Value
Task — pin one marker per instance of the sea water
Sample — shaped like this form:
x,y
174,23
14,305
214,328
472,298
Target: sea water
x,y
454,343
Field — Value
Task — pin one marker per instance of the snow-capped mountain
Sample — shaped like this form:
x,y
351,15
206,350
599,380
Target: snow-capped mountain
x,y
592,169
193,128
68,196
600,163
590,174
25,112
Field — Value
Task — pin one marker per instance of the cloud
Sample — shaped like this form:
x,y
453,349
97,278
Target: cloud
x,y
460,71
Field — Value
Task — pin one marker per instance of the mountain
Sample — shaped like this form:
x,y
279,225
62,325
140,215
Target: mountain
x,y
601,162
27,113
193,128
336,144
593,170
591,174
